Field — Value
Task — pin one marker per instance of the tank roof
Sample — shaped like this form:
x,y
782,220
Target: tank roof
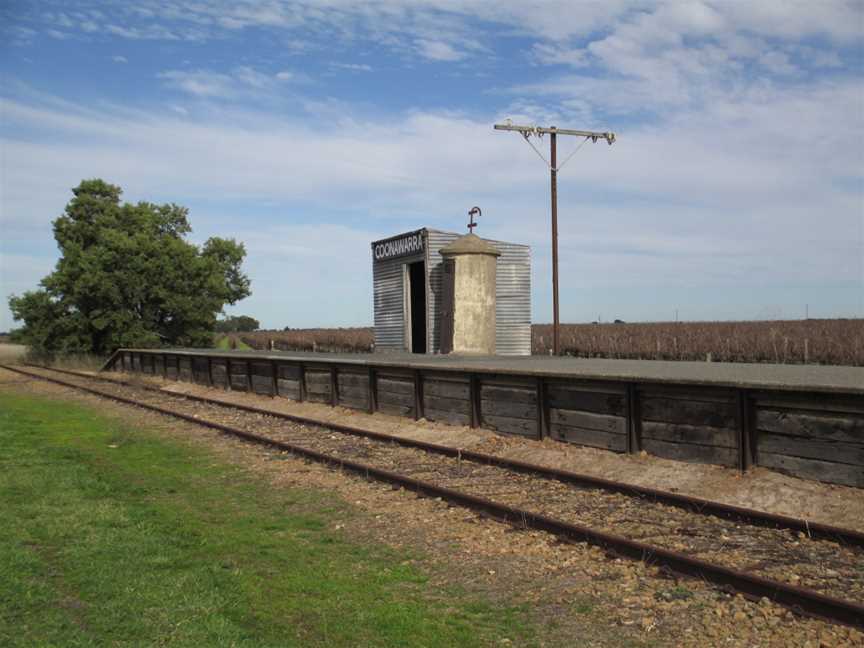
x,y
469,244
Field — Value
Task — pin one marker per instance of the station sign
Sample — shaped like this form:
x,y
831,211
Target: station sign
x,y
399,246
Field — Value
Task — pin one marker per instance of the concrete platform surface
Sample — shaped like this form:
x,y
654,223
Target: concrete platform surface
x,y
812,378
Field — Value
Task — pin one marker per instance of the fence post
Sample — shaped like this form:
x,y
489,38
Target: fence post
x,y
334,386
419,412
373,390
634,426
542,410
474,396
746,445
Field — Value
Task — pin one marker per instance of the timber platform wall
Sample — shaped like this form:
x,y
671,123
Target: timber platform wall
x,y
810,435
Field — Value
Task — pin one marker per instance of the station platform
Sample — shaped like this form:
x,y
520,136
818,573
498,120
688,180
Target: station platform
x,y
804,420
787,377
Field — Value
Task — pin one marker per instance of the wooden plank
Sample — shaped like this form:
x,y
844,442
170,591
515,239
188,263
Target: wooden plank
x,y
690,412
262,384
390,398
589,420
446,376
319,392
395,386
845,453
825,471
446,389
289,389
317,381
356,393
239,382
289,371
447,416
849,429
679,433
262,369
587,401
698,392
507,425
509,394
238,367
507,381
448,404
810,402
353,403
184,369
691,452
353,380
586,437
509,409
574,384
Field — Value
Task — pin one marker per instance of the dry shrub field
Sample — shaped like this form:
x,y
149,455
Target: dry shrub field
x,y
836,341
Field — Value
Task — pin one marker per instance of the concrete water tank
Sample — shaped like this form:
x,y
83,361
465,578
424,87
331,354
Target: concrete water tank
x,y
468,313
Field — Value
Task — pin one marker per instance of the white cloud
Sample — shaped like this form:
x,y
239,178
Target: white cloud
x,y
200,82
117,58
547,53
354,67
237,82
439,51
778,63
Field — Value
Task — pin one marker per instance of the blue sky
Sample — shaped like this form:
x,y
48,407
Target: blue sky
x,y
308,129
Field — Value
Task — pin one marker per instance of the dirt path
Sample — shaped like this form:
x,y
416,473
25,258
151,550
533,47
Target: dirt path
x,y
578,594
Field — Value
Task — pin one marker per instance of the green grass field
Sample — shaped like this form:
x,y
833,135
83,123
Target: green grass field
x,y
113,535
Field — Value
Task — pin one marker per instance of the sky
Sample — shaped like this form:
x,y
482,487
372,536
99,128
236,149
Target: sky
x,y
308,129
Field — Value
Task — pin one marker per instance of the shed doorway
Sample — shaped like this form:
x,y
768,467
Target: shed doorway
x,y
416,315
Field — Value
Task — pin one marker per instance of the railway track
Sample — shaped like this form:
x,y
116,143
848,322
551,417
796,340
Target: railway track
x,y
820,574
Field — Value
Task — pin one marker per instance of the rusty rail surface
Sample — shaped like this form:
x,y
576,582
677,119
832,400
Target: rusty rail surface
x,y
699,505
798,599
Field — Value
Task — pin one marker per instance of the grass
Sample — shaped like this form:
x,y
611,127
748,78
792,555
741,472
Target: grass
x,y
224,343
112,534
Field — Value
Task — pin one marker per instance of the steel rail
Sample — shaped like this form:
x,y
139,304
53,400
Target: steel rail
x,y
798,599
752,517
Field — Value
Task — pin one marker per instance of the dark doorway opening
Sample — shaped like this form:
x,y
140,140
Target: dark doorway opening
x,y
417,281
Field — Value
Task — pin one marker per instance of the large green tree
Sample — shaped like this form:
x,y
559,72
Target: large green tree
x,y
127,277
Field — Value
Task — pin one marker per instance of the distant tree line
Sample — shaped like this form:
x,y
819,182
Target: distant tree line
x,y
237,324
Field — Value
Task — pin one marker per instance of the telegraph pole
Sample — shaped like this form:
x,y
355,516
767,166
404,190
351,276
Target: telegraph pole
x,y
553,173
553,132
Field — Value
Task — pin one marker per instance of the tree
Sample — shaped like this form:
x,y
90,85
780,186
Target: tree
x,y
127,277
237,324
